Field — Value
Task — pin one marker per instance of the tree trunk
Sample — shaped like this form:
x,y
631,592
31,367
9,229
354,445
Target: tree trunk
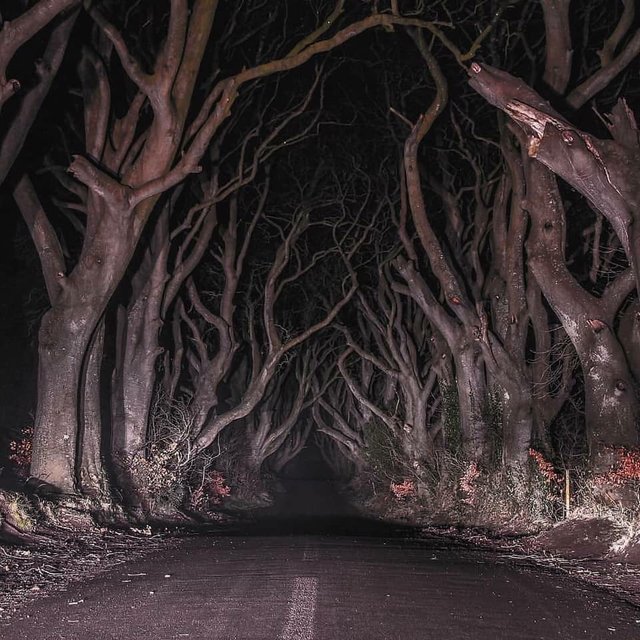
x,y
472,393
64,341
249,483
141,351
64,337
415,438
91,475
611,402
470,375
629,336
205,397
517,425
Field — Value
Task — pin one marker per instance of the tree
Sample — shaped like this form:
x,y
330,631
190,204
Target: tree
x,y
595,169
140,142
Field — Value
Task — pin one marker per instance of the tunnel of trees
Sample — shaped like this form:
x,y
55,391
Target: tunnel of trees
x,y
403,231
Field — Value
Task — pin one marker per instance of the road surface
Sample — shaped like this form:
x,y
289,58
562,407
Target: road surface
x,y
320,576
324,587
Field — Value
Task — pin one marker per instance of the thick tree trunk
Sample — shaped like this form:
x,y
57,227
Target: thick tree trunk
x,y
512,420
472,394
132,394
509,422
64,337
249,485
517,425
64,340
611,402
91,475
415,440
249,468
547,401
138,380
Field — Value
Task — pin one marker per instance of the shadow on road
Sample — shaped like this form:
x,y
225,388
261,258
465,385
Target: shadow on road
x,y
310,504
351,526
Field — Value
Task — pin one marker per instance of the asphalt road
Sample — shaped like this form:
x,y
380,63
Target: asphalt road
x,y
323,576
322,587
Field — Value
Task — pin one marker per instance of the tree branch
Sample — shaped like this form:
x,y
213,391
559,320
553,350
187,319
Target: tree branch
x,y
43,235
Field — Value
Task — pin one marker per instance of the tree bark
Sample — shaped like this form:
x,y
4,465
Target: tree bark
x,y
91,475
472,394
611,403
64,335
138,365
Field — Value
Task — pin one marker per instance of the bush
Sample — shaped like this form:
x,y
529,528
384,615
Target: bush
x,y
459,491
209,493
159,477
167,473
21,451
385,461
613,495
16,510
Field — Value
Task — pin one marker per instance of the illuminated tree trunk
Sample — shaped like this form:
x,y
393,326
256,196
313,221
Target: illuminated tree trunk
x,y
472,393
611,402
61,352
590,166
91,476
64,340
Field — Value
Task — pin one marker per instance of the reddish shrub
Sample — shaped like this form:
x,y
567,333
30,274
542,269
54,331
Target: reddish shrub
x,y
625,470
21,451
544,467
404,489
210,493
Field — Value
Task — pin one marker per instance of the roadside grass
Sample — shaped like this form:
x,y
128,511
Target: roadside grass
x,y
508,500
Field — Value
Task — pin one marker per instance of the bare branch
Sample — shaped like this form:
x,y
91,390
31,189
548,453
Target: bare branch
x,y
14,34
43,235
46,69
142,80
599,80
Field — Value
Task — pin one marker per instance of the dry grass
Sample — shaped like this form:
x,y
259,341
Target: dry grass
x,y
510,500
17,511
63,556
621,507
459,492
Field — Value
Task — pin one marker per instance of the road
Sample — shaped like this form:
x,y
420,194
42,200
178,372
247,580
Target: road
x,y
317,576
322,587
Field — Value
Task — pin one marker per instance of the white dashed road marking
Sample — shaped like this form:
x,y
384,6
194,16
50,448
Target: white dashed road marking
x,y
302,609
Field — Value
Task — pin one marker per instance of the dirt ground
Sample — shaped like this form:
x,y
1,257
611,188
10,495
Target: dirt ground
x,y
579,548
64,555
63,543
